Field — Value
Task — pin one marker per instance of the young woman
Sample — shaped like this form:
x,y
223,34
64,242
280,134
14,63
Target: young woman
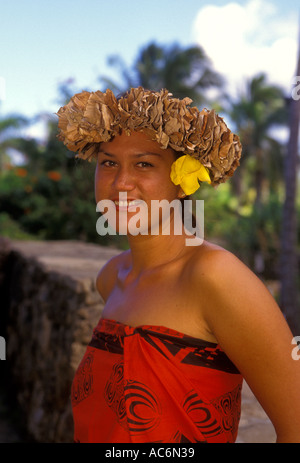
x,y
182,325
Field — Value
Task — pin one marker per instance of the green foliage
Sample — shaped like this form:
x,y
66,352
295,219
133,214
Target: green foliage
x,y
9,228
250,233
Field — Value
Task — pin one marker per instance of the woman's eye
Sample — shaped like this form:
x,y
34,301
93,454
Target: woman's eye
x,y
107,163
144,164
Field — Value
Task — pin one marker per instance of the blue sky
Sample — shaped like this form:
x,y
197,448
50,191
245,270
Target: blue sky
x,y
46,42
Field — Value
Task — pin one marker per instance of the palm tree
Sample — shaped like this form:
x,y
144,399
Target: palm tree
x,y
184,72
259,109
258,182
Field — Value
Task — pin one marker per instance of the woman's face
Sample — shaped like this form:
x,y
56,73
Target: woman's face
x,y
137,166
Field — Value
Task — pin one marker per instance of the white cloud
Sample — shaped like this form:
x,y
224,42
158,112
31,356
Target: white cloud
x,y
242,40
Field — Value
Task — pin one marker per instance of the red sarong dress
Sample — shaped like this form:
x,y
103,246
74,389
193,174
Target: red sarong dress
x,y
153,384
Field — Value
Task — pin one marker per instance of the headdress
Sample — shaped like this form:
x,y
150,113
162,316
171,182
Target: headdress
x,y
91,118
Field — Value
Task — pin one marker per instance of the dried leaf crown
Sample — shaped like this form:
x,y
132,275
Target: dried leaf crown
x,y
91,118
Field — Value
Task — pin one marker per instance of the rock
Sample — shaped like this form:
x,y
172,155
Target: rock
x,y
51,309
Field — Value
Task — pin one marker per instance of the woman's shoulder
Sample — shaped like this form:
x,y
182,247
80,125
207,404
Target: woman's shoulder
x,y
210,258
108,274
228,286
218,271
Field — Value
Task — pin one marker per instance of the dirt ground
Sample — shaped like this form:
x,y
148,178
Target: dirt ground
x,y
255,426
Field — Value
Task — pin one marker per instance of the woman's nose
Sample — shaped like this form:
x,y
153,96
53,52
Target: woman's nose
x,y
124,180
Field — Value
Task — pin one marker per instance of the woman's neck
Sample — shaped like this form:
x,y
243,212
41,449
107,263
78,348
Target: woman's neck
x,y
150,251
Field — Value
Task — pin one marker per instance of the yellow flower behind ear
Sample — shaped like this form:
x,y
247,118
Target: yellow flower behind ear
x,y
186,171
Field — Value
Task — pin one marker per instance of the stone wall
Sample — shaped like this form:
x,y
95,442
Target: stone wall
x,y
49,308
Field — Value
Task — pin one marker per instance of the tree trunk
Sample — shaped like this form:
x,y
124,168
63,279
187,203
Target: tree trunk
x,y
289,262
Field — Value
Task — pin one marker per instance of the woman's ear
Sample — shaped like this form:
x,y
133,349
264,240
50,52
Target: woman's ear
x,y
181,193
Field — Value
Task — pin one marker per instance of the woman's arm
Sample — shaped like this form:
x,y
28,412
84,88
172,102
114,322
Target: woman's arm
x,y
106,277
251,329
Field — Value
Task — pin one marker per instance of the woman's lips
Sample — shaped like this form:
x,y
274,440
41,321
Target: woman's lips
x,y
127,205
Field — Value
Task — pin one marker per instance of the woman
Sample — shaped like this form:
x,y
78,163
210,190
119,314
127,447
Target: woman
x,y
182,325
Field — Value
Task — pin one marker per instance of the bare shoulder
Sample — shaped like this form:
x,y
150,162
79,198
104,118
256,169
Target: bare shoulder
x,y
250,327
232,291
221,271
107,275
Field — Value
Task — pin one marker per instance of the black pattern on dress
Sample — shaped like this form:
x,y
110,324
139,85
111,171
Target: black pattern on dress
x,y
82,386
